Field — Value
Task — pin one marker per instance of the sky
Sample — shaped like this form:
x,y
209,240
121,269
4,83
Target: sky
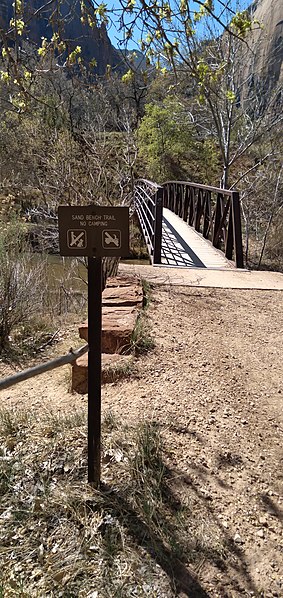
x,y
117,36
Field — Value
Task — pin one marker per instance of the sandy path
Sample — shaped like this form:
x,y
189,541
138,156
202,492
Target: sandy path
x,y
214,385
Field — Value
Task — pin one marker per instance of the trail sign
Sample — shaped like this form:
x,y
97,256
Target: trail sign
x,y
94,231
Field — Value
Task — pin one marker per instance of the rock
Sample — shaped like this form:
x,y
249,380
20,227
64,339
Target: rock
x,y
120,300
260,533
122,281
267,42
263,521
113,367
122,296
93,40
117,326
238,539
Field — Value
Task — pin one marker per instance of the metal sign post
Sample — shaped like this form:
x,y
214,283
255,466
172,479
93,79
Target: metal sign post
x,y
94,367
95,232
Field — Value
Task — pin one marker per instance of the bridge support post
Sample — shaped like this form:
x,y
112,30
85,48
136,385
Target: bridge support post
x,y
158,226
237,229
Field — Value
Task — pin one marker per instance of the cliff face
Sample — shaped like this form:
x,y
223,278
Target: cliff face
x,y
94,42
4,13
267,43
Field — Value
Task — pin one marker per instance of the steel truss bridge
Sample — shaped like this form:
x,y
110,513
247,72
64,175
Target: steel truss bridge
x,y
190,225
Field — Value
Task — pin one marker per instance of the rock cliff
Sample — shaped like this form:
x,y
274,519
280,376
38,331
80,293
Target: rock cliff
x,y
94,42
267,43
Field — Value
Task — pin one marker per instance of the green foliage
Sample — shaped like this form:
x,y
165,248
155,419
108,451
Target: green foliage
x,y
170,145
64,141
208,165
164,139
241,23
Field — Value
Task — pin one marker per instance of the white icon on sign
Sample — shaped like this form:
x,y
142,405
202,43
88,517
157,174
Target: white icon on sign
x,y
76,239
111,239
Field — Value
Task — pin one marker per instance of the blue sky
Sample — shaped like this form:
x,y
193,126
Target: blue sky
x,y
117,36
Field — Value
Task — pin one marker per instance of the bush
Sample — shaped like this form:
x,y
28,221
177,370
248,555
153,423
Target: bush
x,y
21,284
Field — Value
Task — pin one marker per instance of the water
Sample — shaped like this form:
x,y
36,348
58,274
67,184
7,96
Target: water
x,y
65,281
144,262
71,272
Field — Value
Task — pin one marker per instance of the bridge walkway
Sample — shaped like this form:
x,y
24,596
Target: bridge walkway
x,y
183,247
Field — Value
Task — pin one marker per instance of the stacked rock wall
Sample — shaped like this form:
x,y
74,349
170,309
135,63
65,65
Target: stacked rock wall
x,y
121,302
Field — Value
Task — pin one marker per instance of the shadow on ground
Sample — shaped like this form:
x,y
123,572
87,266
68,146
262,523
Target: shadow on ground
x,y
155,510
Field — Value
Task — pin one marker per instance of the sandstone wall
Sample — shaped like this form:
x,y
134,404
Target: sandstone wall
x,y
267,43
94,42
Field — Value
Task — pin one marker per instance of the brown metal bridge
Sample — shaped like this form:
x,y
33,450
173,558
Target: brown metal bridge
x,y
189,225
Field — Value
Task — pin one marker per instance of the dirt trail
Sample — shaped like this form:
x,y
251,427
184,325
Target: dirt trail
x,y
214,385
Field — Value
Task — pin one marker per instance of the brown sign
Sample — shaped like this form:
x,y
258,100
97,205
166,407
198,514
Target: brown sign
x,y
93,231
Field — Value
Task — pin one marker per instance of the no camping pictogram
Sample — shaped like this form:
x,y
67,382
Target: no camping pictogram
x,y
111,238
76,238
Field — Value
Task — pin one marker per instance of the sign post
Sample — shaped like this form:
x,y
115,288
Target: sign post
x,y
94,232
94,367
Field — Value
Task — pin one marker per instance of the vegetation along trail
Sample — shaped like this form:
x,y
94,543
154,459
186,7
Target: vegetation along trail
x,y
199,421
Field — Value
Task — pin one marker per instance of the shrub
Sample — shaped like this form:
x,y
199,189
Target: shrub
x,y
21,284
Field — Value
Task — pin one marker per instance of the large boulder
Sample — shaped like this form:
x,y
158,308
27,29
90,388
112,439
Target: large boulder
x,y
121,301
122,281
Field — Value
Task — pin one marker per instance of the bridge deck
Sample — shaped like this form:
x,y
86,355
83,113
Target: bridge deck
x,y
182,246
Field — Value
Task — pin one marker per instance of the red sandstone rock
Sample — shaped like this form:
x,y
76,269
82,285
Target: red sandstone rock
x,y
117,326
122,281
113,367
122,296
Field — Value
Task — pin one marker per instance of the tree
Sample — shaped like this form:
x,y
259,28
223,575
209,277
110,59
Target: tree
x,y
84,134
229,110
262,202
168,27
165,26
169,145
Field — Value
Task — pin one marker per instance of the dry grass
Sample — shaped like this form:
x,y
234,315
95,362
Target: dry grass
x,y
142,340
119,370
60,537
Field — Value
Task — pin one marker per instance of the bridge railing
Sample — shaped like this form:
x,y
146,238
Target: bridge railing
x,y
148,203
213,212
